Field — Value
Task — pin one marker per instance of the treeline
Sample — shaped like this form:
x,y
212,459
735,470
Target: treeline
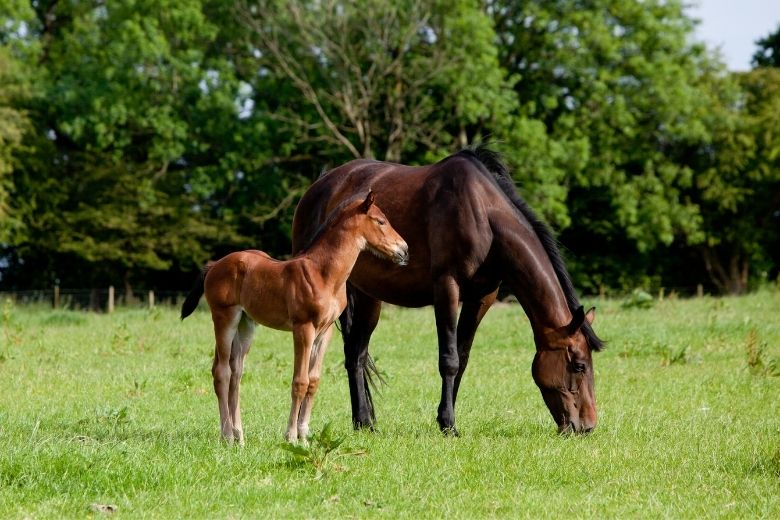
x,y
139,138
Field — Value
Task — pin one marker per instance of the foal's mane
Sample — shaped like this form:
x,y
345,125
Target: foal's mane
x,y
329,222
491,164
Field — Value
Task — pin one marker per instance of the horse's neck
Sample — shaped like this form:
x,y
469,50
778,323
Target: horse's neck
x,y
531,277
334,255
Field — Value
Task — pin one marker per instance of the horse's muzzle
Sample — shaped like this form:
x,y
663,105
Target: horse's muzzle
x,y
578,428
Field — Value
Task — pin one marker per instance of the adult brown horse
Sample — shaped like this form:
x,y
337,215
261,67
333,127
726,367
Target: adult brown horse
x,y
468,231
304,295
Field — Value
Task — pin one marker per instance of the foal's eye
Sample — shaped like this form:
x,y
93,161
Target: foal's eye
x,y
381,222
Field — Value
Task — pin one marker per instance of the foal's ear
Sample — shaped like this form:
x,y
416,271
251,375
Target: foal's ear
x,y
369,200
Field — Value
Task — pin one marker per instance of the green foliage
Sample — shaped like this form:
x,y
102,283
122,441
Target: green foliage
x,y
756,357
768,53
737,178
14,124
379,79
140,138
639,299
320,451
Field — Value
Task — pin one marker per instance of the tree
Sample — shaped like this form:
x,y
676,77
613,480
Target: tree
x,y
381,79
109,185
14,123
737,184
615,85
768,53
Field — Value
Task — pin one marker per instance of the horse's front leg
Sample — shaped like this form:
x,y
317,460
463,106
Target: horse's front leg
x,y
445,305
303,337
471,315
315,370
357,325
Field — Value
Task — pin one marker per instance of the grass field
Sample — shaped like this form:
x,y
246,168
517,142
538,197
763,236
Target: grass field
x,y
99,410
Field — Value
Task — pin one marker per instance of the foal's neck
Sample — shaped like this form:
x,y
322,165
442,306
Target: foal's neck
x,y
335,254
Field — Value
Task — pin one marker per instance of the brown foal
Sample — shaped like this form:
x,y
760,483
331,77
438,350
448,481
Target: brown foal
x,y
304,295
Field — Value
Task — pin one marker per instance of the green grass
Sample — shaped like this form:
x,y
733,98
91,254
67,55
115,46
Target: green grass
x,y
118,409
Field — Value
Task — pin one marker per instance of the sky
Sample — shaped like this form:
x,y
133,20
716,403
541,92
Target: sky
x,y
734,26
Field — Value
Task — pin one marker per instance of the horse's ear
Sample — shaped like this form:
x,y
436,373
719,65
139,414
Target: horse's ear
x,y
577,319
591,315
369,201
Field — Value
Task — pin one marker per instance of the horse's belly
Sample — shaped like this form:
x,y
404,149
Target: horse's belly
x,y
408,286
413,286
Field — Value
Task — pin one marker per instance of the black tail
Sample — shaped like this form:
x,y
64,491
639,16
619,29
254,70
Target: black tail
x,y
370,371
191,302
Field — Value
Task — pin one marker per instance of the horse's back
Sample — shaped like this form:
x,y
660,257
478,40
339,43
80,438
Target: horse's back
x,y
441,210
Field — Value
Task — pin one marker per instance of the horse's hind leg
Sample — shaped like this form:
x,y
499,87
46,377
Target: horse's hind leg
x,y
225,324
240,347
315,370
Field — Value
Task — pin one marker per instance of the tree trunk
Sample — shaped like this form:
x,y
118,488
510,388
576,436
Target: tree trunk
x,y
129,297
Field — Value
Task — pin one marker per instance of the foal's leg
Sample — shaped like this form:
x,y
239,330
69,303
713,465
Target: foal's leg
x,y
315,370
446,293
225,323
471,315
241,343
303,337
357,333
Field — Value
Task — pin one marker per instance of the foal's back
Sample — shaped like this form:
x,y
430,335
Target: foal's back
x,y
254,281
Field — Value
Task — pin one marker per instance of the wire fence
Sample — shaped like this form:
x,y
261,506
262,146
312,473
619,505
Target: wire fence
x,y
96,300
106,299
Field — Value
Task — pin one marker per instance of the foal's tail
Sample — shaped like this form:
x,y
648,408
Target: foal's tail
x,y
191,302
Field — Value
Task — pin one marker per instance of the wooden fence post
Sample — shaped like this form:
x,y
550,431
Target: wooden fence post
x,y
56,296
151,299
700,290
110,299
661,294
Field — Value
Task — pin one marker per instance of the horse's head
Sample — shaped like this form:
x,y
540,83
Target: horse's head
x,y
381,239
563,371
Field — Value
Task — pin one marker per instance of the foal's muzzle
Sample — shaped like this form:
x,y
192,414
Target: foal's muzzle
x,y
401,256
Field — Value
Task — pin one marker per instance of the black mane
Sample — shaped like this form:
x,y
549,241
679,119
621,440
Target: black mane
x,y
494,164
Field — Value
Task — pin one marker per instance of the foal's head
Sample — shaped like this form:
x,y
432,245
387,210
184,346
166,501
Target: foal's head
x,y
563,371
378,235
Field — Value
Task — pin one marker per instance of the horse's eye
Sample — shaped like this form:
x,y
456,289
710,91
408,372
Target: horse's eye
x,y
578,367
381,222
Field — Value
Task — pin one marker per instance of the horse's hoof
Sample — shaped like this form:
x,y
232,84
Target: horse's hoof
x,y
363,425
450,431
